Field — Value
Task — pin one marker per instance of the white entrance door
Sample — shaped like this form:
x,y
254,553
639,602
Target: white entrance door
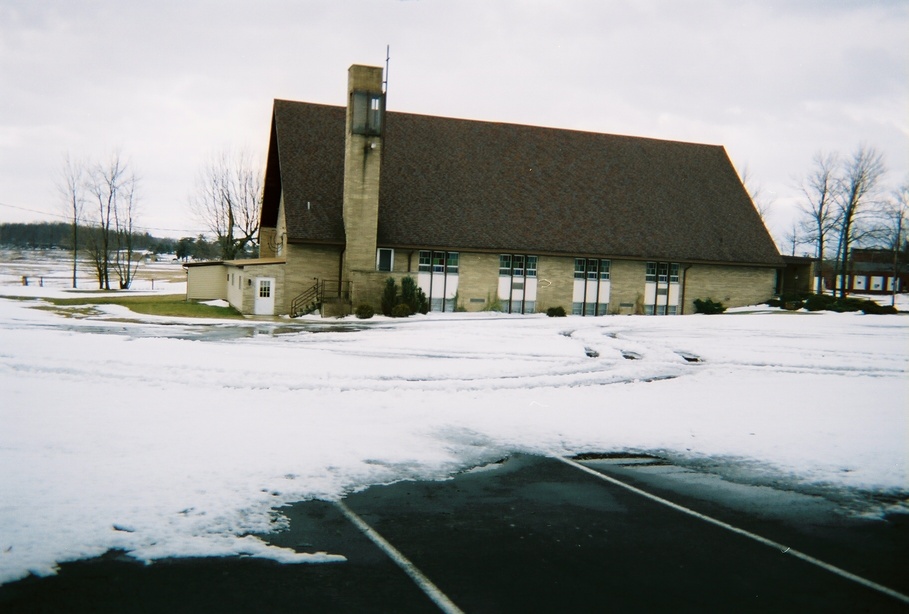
x,y
264,303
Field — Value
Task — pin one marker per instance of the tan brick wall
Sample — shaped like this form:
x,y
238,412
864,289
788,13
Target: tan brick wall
x,y
731,285
478,278
273,241
626,291
267,237
361,204
555,282
362,164
250,273
304,263
367,286
406,261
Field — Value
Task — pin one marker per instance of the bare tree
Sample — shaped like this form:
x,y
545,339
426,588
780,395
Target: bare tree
x,y
761,202
857,186
125,261
894,225
794,237
227,199
819,190
113,189
71,187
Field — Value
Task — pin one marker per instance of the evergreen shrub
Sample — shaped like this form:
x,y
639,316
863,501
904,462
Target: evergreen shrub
x,y
413,296
556,312
708,306
872,308
364,312
819,302
829,302
401,310
389,296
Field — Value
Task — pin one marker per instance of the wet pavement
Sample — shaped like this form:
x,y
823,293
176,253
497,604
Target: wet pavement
x,y
528,534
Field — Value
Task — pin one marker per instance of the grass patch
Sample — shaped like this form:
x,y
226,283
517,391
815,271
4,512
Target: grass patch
x,y
172,305
78,312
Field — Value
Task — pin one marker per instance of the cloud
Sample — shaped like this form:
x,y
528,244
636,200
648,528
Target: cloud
x,y
170,82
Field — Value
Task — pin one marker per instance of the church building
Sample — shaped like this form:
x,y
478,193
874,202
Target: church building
x,y
490,216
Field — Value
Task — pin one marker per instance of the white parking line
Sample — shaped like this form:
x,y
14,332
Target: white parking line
x,y
767,542
432,591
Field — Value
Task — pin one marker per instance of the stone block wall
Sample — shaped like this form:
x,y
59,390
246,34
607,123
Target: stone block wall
x,y
250,273
555,283
734,286
478,280
626,287
305,264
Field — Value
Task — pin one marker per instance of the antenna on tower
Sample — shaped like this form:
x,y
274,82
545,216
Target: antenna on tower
x,y
387,57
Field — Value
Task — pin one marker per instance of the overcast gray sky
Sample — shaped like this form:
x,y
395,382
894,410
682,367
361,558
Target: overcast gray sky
x,y
169,83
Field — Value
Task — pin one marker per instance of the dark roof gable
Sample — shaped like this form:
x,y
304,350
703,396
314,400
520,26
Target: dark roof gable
x,y
462,185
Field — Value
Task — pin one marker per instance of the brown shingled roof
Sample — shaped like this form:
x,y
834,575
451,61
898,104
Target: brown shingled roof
x,y
471,185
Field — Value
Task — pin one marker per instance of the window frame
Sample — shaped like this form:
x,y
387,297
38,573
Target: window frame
x,y
264,288
650,272
367,113
518,265
391,259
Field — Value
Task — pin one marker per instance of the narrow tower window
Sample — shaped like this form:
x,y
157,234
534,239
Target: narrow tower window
x,y
368,109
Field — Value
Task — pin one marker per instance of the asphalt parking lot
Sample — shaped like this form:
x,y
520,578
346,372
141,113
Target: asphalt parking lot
x,y
529,534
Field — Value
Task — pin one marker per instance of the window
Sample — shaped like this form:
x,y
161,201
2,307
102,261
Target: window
x,y
385,259
438,262
579,269
425,261
592,269
264,288
505,265
604,269
517,265
663,272
368,109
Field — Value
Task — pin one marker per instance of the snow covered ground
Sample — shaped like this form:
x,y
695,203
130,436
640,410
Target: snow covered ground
x,y
179,438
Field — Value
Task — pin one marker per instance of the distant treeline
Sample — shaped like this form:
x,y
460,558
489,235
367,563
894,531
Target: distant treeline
x,y
59,235
48,235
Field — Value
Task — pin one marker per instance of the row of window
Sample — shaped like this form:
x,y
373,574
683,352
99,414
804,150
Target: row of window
x,y
515,265
438,262
590,268
521,265
661,272
661,310
589,309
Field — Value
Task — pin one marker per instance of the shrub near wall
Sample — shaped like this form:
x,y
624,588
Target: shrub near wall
x,y
829,302
708,306
364,312
411,300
